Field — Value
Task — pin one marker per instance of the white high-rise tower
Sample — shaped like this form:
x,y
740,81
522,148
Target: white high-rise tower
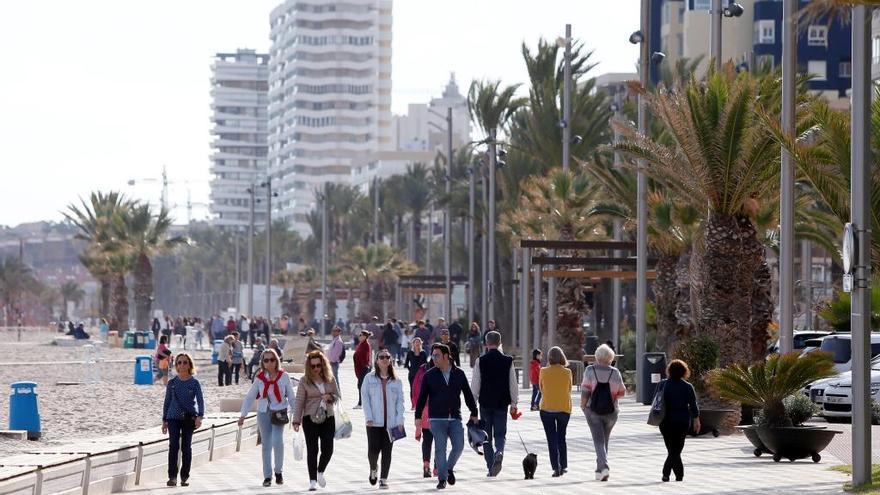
x,y
239,92
329,95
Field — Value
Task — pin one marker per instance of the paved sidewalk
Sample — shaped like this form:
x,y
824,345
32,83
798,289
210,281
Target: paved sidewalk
x,y
712,465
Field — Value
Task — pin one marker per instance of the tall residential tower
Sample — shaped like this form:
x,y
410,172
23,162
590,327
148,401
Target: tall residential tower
x,y
239,90
329,96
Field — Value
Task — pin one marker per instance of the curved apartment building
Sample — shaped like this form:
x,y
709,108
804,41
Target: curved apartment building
x,y
329,96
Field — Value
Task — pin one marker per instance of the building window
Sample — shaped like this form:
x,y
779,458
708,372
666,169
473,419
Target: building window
x,y
702,4
844,69
764,61
817,36
875,49
681,14
680,40
818,69
765,32
665,13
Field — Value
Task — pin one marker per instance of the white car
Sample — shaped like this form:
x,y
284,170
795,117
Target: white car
x,y
839,345
834,395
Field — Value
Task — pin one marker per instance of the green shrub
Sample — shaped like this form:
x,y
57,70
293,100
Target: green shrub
x,y
702,355
875,412
837,311
799,408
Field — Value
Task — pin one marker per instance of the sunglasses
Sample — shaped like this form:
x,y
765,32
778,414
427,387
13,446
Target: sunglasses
x,y
269,360
316,366
181,363
385,357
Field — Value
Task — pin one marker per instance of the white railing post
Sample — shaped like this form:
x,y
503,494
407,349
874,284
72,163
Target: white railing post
x,y
238,440
211,445
38,482
139,464
87,474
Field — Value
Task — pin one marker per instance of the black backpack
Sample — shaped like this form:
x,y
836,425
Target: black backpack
x,y
600,399
342,354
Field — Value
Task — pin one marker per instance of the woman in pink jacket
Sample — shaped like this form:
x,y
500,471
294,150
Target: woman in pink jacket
x,y
600,391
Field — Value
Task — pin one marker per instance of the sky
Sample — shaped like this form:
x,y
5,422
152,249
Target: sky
x,y
96,93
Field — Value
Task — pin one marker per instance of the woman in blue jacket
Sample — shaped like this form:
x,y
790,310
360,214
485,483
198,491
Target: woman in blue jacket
x,y
382,399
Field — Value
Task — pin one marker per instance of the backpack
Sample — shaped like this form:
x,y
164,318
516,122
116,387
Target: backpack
x,y
600,399
342,354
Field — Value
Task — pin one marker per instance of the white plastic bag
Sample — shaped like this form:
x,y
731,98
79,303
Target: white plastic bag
x,y
298,446
343,422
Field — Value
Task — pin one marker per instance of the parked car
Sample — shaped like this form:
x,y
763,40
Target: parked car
x,y
839,345
801,337
834,395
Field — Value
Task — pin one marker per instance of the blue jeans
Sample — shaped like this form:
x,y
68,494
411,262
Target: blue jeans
x,y
442,430
536,396
555,424
495,422
179,439
272,438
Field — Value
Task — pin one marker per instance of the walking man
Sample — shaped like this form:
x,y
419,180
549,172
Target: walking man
x,y
495,387
334,353
441,388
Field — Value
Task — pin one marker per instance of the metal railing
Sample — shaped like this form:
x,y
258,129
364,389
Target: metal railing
x,y
109,471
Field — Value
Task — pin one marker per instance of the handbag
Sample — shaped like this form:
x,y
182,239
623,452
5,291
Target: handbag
x,y
320,414
297,446
279,417
658,406
189,418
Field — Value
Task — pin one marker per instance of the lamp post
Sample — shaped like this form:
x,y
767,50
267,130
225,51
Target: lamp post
x,y
642,207
786,238
250,255
324,251
447,214
269,195
715,15
616,283
472,251
566,100
860,173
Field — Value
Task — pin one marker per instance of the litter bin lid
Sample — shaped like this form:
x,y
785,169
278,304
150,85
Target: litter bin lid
x,y
17,385
143,357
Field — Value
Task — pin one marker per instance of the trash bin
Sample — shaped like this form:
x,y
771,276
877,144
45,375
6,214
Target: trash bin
x,y
591,343
128,343
143,370
139,340
216,352
150,342
653,370
24,413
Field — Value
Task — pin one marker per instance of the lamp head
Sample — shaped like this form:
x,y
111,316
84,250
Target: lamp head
x,y
657,57
734,10
636,38
576,140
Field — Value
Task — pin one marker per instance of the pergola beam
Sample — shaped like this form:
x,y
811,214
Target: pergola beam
x,y
595,274
578,245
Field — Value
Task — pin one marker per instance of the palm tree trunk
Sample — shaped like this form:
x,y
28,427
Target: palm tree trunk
x,y
119,302
725,314
665,291
757,272
105,296
143,291
684,317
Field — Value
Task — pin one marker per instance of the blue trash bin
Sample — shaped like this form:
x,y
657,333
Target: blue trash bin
x,y
151,340
216,352
24,414
139,340
143,370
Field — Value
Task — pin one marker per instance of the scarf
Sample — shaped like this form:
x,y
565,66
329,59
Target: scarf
x,y
263,377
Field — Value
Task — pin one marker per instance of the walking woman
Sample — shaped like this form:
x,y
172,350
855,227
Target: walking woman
x,y
415,358
274,393
555,384
362,355
600,391
423,432
534,377
313,409
182,414
224,362
382,397
681,410
474,343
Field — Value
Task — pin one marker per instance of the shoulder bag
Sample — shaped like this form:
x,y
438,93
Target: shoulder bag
x,y
658,406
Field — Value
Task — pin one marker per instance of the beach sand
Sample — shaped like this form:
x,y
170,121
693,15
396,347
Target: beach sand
x,y
114,405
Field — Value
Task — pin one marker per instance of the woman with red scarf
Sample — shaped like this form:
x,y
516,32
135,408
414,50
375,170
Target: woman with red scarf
x,y
362,358
274,394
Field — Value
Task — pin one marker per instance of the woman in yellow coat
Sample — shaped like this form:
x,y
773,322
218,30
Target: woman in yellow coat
x,y
555,384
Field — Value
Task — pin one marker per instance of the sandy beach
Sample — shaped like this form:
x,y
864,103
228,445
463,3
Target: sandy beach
x,y
113,405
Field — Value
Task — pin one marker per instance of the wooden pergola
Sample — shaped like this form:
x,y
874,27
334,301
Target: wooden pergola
x,y
425,284
582,261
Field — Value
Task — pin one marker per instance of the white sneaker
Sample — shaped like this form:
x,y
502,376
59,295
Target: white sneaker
x,y
604,473
321,481
313,485
356,407
598,475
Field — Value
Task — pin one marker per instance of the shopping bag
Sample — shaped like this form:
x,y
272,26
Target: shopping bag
x,y
658,406
298,446
343,422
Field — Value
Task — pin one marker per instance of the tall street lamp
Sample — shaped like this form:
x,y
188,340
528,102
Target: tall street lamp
x,y
566,98
269,195
786,238
642,207
250,254
447,215
717,12
322,197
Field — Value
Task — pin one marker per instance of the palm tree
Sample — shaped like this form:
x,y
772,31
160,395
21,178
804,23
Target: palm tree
x,y
415,194
562,206
721,157
70,291
93,220
141,235
377,267
16,280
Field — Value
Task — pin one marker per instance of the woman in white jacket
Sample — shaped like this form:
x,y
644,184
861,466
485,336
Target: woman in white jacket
x,y
382,398
273,391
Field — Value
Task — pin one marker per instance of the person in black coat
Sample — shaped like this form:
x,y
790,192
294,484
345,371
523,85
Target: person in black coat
x,y
453,347
681,412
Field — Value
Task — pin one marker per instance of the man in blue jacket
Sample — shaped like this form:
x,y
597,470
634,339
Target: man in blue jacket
x,y
443,385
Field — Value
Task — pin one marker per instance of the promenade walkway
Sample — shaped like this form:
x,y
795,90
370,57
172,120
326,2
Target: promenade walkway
x,y
712,465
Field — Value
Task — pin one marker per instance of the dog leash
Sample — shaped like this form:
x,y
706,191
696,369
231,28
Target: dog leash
x,y
521,441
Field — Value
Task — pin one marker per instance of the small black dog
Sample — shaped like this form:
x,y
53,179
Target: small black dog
x,y
530,465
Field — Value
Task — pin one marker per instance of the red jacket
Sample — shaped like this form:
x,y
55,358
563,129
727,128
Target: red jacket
x,y
362,355
534,371
416,388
